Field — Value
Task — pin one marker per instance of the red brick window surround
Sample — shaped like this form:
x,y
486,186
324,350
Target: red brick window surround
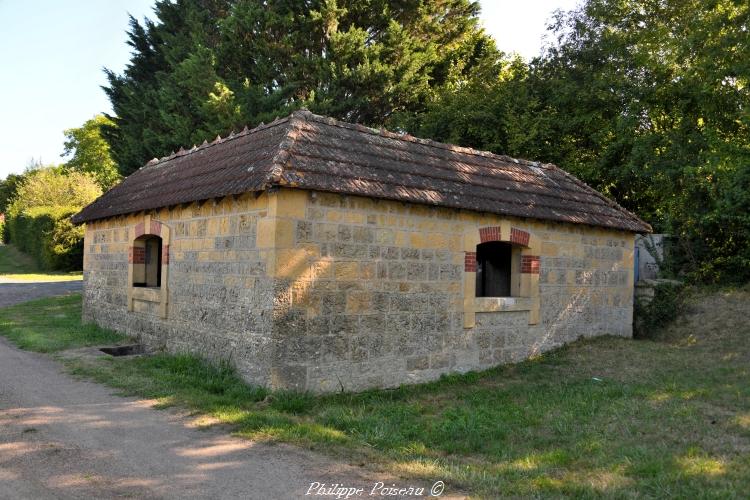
x,y
470,262
148,265
530,264
476,261
491,233
494,233
500,275
519,237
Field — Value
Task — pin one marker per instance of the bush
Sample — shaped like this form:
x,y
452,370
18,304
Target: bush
x,y
50,186
38,217
48,235
649,316
3,237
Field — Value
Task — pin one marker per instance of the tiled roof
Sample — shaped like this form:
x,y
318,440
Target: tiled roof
x,y
308,151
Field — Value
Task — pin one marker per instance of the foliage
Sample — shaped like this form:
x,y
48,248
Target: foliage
x,y
90,153
605,418
52,185
206,66
8,187
48,235
38,218
648,102
494,111
645,100
651,316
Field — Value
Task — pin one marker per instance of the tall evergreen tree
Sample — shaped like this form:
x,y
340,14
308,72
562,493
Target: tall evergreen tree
x,y
206,66
159,98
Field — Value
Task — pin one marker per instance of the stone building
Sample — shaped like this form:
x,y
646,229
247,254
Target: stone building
x,y
319,255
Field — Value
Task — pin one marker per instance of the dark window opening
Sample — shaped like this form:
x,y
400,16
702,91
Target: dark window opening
x,y
147,261
494,269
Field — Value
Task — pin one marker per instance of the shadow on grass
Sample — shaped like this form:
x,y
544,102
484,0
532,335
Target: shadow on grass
x,y
602,417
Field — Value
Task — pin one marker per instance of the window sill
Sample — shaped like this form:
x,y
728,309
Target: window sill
x,y
148,294
497,304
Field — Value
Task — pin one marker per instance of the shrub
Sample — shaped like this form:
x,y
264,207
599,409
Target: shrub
x,y
38,218
649,316
48,235
3,237
52,186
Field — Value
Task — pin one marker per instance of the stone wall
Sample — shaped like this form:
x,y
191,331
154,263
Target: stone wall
x,y
317,291
219,294
379,293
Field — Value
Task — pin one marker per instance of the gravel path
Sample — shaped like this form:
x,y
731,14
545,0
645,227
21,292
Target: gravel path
x,y
16,292
65,438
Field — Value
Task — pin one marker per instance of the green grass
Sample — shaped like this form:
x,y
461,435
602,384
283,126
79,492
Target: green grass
x,y
51,325
17,266
600,418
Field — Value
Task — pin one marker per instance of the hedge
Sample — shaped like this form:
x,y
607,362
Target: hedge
x,y
48,235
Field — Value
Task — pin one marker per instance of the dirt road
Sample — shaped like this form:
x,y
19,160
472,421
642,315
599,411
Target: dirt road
x,y
65,438
14,292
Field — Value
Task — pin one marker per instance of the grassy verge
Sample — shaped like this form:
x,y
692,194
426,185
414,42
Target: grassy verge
x,y
17,266
608,417
51,325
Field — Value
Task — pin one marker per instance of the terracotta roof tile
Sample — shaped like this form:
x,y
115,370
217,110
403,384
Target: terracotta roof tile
x,y
308,151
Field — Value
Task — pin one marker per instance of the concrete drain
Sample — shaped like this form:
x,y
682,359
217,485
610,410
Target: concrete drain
x,y
124,350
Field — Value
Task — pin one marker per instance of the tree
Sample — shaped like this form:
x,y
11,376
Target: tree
x,y
645,100
8,188
90,153
648,101
493,111
206,66
39,217
51,186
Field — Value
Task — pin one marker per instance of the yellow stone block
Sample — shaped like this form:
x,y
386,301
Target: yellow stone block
x,y
471,239
285,230
353,218
550,249
384,236
266,233
470,284
224,226
535,313
367,270
291,263
534,285
358,302
322,269
417,240
291,203
535,244
346,270
212,227
525,285
402,239
570,277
